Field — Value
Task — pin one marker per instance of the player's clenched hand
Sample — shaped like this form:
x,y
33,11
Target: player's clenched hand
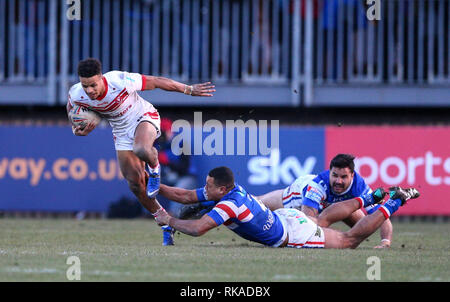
x,y
78,131
203,89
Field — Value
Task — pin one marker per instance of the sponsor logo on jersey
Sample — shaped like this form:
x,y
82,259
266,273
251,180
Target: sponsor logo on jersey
x,y
314,194
114,104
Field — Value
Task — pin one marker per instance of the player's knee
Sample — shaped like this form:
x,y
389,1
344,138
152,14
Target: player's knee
x,y
140,151
146,153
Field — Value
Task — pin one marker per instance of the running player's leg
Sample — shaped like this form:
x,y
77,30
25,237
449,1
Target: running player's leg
x,y
133,169
144,137
272,200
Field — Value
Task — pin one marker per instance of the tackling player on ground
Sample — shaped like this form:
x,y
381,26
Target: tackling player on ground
x,y
135,122
249,218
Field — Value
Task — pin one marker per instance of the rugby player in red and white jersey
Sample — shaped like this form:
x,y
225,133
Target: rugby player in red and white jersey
x,y
135,122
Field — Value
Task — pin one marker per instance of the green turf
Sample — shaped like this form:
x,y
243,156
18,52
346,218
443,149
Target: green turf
x,y
131,250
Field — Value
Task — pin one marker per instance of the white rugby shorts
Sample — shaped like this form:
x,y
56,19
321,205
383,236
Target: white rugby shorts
x,y
302,231
125,139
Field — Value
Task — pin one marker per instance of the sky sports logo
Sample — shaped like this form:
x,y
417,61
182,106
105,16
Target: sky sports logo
x,y
393,170
274,169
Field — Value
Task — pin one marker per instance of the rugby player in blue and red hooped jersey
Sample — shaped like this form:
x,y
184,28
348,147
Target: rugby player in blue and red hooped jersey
x,y
249,218
313,193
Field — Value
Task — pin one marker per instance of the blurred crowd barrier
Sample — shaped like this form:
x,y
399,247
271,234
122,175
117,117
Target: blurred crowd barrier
x,y
48,169
274,52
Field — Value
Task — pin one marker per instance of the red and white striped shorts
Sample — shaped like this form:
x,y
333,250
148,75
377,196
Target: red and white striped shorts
x,y
302,231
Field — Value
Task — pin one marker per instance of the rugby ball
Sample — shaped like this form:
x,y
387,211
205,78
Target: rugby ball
x,y
81,116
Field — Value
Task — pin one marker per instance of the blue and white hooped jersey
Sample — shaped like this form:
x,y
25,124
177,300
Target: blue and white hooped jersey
x,y
249,218
318,194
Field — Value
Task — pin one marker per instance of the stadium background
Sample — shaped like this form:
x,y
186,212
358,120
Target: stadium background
x,y
335,81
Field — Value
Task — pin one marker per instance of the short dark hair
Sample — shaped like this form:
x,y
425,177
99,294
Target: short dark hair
x,y
343,161
223,176
89,67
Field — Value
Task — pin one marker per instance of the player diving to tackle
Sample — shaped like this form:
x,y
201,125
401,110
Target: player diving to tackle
x,y
313,193
135,122
251,219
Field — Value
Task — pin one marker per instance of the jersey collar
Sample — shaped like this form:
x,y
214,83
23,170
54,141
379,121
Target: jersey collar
x,y
236,188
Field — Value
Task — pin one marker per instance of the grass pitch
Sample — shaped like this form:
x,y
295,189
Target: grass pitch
x,y
131,250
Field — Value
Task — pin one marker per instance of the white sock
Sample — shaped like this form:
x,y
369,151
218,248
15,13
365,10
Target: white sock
x,y
153,170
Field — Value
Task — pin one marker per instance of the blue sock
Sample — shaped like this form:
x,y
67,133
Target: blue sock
x,y
390,207
367,200
155,170
167,235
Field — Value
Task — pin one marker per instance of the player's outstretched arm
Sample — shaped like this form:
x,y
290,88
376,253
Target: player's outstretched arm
x,y
202,89
178,194
195,227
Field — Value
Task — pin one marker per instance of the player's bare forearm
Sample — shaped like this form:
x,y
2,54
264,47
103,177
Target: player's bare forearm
x,y
203,89
386,231
195,228
178,194
309,211
152,82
